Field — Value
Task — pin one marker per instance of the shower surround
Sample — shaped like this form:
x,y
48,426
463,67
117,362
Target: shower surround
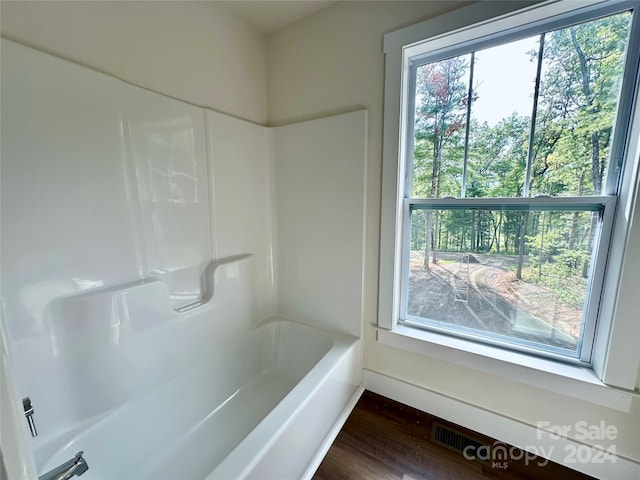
x,y
153,256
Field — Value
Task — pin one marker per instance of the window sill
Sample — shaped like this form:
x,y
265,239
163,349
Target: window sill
x,y
570,380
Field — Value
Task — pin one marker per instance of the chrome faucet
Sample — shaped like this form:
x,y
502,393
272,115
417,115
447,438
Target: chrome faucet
x,y
76,466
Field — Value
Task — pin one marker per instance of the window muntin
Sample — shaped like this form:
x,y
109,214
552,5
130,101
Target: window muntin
x,y
459,148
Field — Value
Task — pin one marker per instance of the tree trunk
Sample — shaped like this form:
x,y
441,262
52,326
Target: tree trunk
x,y
596,168
473,230
592,230
541,259
521,244
436,236
573,232
427,240
435,192
496,233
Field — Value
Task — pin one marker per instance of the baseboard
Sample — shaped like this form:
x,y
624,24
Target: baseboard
x,y
333,433
561,450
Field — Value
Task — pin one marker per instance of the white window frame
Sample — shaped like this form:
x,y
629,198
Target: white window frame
x,y
616,358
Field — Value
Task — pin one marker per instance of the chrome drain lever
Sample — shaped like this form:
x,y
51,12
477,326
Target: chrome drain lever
x,y
28,413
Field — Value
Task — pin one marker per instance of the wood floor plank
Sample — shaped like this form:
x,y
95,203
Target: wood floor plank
x,y
385,440
346,463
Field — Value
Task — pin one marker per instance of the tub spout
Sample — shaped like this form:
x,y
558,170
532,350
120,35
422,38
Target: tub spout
x,y
76,466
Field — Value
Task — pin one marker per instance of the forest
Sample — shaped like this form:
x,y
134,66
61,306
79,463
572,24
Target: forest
x,y
555,142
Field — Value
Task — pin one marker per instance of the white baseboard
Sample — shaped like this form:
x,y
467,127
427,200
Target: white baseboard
x,y
573,454
333,433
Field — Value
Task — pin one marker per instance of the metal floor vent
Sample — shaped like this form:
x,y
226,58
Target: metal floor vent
x,y
454,440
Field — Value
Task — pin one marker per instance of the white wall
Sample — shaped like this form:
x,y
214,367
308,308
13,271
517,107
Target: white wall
x,y
333,61
198,52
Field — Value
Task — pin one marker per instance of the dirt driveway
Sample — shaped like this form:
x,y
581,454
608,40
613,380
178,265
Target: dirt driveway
x,y
485,295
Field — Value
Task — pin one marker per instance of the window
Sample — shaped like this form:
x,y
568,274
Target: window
x,y
509,172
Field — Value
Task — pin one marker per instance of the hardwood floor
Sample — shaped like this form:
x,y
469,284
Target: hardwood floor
x,y
386,440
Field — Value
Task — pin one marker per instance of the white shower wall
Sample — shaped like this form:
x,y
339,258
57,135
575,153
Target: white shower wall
x,y
240,156
104,184
319,171
166,173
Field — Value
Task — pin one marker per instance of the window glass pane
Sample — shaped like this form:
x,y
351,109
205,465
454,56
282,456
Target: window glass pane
x,y
580,80
580,84
440,121
510,275
504,82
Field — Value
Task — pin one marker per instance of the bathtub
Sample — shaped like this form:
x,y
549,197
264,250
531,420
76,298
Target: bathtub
x,y
263,406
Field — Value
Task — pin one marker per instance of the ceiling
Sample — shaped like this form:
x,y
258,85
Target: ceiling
x,y
270,15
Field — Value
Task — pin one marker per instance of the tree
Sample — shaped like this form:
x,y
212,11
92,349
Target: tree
x,y
578,102
440,115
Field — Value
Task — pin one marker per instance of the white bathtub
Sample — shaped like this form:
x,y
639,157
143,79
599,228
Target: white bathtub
x,y
260,407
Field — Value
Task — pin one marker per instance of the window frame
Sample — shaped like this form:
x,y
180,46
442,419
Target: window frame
x,y
605,204
489,21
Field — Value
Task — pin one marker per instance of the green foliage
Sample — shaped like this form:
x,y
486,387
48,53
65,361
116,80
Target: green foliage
x,y
571,292
577,103
579,87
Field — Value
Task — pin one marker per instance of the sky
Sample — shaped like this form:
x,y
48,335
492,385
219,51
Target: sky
x,y
505,80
